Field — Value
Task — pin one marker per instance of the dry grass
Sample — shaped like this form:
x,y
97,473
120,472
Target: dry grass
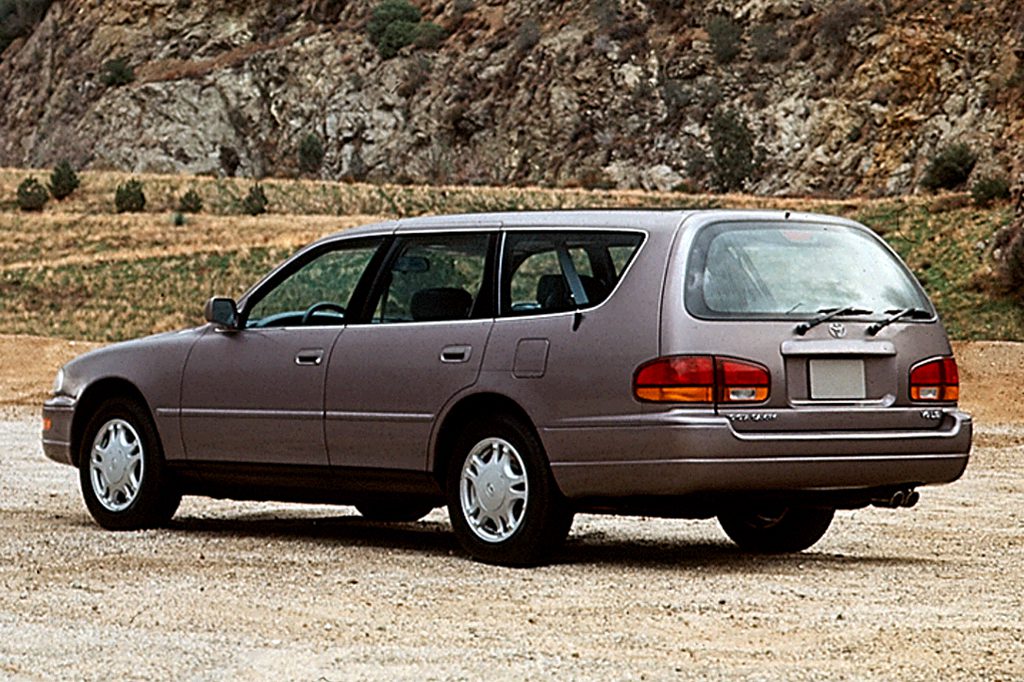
x,y
79,270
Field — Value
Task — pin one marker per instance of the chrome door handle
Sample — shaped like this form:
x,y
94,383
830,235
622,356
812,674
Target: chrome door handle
x,y
309,356
456,353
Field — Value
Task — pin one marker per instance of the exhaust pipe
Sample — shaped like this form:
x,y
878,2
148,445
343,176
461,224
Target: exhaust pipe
x,y
900,498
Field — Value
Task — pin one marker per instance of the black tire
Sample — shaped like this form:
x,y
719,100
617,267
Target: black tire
x,y
143,494
540,519
397,511
776,529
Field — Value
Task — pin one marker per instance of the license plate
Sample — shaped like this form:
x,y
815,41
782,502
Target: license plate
x,y
837,380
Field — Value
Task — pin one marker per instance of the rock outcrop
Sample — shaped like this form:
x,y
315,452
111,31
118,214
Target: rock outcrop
x,y
839,97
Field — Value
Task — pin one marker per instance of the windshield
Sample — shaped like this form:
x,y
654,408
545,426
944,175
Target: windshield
x,y
782,270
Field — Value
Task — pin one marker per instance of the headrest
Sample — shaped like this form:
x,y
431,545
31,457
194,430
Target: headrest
x,y
440,303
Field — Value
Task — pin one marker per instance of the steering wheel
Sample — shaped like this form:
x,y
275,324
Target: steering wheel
x,y
317,307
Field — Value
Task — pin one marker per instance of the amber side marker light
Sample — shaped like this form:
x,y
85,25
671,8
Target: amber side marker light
x,y
704,379
935,380
47,424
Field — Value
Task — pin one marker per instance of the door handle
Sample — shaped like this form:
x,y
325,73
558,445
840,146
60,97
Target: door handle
x,y
309,356
452,354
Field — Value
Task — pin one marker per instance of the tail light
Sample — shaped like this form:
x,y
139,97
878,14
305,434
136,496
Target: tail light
x,y
935,380
701,379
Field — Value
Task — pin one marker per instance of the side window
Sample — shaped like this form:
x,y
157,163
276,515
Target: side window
x,y
432,278
538,269
318,293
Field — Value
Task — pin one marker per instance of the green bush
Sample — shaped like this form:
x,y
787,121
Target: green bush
x,y
63,180
428,35
725,37
989,189
129,197
732,151
392,26
116,72
768,43
311,154
190,202
32,195
949,168
255,202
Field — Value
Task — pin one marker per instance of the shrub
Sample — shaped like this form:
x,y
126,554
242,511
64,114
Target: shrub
x,y
32,195
311,154
190,202
949,168
428,35
255,202
129,197
732,151
392,26
528,36
836,23
725,37
229,161
116,72
178,219
63,180
989,189
768,44
19,18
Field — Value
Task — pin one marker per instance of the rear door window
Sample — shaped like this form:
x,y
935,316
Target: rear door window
x,y
557,271
775,270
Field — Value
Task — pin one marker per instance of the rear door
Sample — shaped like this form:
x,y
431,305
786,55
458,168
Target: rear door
x,y
420,342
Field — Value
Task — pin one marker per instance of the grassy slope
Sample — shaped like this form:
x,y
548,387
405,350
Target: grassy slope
x,y
79,270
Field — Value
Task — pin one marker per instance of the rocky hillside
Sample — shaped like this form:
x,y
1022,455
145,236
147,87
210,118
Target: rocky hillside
x,y
789,96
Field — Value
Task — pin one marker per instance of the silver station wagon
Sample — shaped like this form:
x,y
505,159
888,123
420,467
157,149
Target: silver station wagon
x,y
765,368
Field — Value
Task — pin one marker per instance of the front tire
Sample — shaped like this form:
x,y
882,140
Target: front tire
x,y
122,473
502,500
776,529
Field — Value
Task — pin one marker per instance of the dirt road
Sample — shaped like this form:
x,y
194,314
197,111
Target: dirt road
x,y
273,591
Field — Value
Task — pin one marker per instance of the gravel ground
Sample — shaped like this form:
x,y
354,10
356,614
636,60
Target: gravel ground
x,y
274,591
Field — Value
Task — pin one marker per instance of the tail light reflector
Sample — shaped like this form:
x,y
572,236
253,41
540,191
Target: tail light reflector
x,y
701,379
935,380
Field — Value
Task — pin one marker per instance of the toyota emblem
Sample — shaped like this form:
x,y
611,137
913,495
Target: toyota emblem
x,y
837,330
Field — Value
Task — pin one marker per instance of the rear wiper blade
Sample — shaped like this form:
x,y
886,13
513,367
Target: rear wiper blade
x,y
827,314
896,316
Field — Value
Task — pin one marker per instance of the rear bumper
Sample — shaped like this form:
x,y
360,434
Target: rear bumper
x,y
58,413
671,454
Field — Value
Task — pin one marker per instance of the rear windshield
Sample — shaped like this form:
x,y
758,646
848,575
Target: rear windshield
x,y
781,270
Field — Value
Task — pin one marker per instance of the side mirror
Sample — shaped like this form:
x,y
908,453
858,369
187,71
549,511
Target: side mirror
x,y
223,312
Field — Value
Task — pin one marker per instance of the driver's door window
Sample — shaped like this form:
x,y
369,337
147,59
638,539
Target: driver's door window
x,y
318,293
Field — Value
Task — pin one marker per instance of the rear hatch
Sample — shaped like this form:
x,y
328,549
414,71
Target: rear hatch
x,y
832,316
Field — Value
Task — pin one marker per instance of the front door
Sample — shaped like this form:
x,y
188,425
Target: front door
x,y
256,394
390,376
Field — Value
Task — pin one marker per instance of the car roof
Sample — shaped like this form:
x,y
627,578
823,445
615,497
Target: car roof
x,y
650,220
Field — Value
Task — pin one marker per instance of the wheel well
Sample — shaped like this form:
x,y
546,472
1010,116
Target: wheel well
x,y
469,408
91,398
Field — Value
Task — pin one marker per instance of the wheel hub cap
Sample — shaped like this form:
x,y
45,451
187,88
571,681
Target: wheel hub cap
x,y
493,490
116,465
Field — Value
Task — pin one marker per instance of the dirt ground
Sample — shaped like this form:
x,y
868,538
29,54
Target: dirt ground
x,y
274,591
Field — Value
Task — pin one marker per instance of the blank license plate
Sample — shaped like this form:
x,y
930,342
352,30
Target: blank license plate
x,y
837,380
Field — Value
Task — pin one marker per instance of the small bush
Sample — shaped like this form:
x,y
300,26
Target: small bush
x,y
768,43
255,202
311,154
190,202
178,219
116,72
950,168
989,189
19,18
32,195
429,35
63,181
725,37
129,197
528,36
836,23
229,161
732,151
392,26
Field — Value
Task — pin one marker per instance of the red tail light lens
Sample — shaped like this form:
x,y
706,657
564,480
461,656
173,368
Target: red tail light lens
x,y
701,379
935,380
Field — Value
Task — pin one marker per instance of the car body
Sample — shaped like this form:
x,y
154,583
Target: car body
x,y
764,367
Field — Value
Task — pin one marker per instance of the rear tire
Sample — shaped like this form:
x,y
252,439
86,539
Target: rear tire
x,y
776,529
502,500
395,511
121,469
